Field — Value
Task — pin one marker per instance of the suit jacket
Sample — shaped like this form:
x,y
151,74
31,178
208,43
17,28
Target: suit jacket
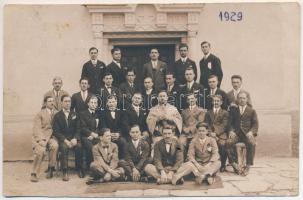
x,y
104,93
94,74
225,102
162,158
117,73
210,66
127,92
196,89
150,100
107,160
191,118
218,122
78,104
242,124
232,99
137,157
179,70
57,100
115,125
158,74
42,129
131,118
63,130
174,95
203,153
88,123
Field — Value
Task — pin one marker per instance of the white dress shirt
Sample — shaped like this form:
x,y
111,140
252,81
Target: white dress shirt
x,y
154,64
213,91
94,62
242,109
109,89
113,114
117,63
183,59
84,95
167,146
190,84
135,143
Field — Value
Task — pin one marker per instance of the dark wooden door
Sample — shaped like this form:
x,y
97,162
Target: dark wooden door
x,y
137,56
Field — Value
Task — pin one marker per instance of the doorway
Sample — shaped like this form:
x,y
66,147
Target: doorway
x,y
137,55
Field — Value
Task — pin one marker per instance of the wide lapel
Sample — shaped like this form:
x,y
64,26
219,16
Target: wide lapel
x,y
63,118
173,147
204,146
103,153
212,115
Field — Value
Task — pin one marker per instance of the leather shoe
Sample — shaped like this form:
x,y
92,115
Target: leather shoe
x,y
34,177
65,176
236,167
180,181
199,179
245,171
81,173
50,173
210,179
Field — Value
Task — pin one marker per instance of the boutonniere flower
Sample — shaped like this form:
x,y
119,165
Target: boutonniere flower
x,y
174,92
73,116
125,68
209,149
101,66
161,69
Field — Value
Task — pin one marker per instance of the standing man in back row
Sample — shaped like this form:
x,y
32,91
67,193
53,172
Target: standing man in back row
x,y
116,68
209,65
94,70
155,69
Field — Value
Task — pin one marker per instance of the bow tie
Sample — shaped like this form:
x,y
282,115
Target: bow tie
x,y
108,87
105,146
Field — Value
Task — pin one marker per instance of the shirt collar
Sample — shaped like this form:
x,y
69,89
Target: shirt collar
x,y
206,56
202,140
184,59
49,110
116,62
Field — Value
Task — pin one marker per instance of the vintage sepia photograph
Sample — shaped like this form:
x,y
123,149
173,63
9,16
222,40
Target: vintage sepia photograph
x,y
151,99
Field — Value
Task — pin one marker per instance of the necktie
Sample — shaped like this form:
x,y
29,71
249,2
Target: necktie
x,y
188,86
167,147
113,114
137,111
106,149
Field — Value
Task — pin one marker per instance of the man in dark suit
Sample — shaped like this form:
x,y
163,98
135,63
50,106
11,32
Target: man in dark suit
x,y
66,130
155,69
149,94
181,65
243,124
191,87
214,90
168,157
236,81
137,155
108,89
134,114
89,128
94,71
80,99
217,119
113,119
116,68
173,90
209,65
128,88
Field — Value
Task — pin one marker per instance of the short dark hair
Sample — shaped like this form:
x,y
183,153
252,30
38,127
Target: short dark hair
x,y
114,49
137,92
149,78
242,92
93,97
236,77
107,74
63,96
190,68
102,131
213,76
83,78
170,73
46,98
217,96
92,48
154,49
130,69
112,96
183,45
134,125
205,42
202,124
162,91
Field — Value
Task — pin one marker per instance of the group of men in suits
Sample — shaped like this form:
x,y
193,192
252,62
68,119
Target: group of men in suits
x,y
166,128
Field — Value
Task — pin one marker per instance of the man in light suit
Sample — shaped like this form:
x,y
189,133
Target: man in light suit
x,y
89,128
128,88
56,93
209,65
243,126
80,99
94,70
190,116
137,155
116,68
105,166
66,130
203,156
155,69
214,90
236,81
42,139
191,87
217,119
168,157
182,64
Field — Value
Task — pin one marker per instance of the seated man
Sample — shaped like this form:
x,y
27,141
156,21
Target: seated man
x,y
203,156
105,164
42,139
243,124
217,119
190,116
89,128
168,157
137,153
66,130
112,118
